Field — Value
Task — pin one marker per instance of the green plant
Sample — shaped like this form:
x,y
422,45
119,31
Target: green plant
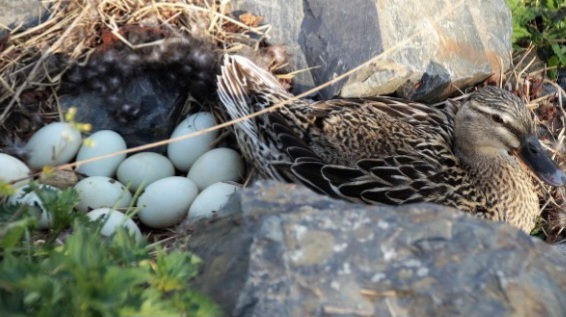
x,y
543,24
77,272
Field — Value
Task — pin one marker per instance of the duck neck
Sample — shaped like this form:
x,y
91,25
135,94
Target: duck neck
x,y
509,187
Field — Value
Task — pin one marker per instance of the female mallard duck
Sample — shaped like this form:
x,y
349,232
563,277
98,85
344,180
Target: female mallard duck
x,y
470,156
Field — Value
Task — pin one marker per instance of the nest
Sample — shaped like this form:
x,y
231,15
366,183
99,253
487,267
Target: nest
x,y
40,64
34,62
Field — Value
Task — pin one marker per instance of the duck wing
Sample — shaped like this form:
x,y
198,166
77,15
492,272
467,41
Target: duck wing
x,y
373,150
345,131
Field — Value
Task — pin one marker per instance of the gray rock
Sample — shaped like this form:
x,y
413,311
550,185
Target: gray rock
x,y
28,12
428,49
561,247
285,251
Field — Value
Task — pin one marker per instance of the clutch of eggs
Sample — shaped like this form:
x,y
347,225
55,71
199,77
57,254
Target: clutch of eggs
x,y
165,197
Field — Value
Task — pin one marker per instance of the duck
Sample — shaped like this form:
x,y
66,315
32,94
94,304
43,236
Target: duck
x,y
480,155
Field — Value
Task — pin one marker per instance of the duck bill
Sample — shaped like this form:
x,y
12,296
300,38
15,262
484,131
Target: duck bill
x,y
536,159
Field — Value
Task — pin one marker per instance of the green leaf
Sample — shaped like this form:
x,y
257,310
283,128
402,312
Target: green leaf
x,y
89,274
558,50
11,236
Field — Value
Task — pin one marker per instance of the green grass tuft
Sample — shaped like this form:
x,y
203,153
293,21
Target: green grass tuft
x,y
542,24
74,271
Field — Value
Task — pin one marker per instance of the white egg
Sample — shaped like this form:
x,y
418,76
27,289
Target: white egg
x,y
165,202
101,191
101,143
142,169
54,144
37,208
112,220
185,152
210,200
12,169
216,165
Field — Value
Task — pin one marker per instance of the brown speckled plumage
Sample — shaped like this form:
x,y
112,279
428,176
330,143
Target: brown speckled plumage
x,y
388,151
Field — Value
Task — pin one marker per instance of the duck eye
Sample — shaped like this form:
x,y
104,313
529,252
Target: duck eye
x,y
497,118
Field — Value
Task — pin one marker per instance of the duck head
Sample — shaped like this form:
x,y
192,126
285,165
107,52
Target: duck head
x,y
494,123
